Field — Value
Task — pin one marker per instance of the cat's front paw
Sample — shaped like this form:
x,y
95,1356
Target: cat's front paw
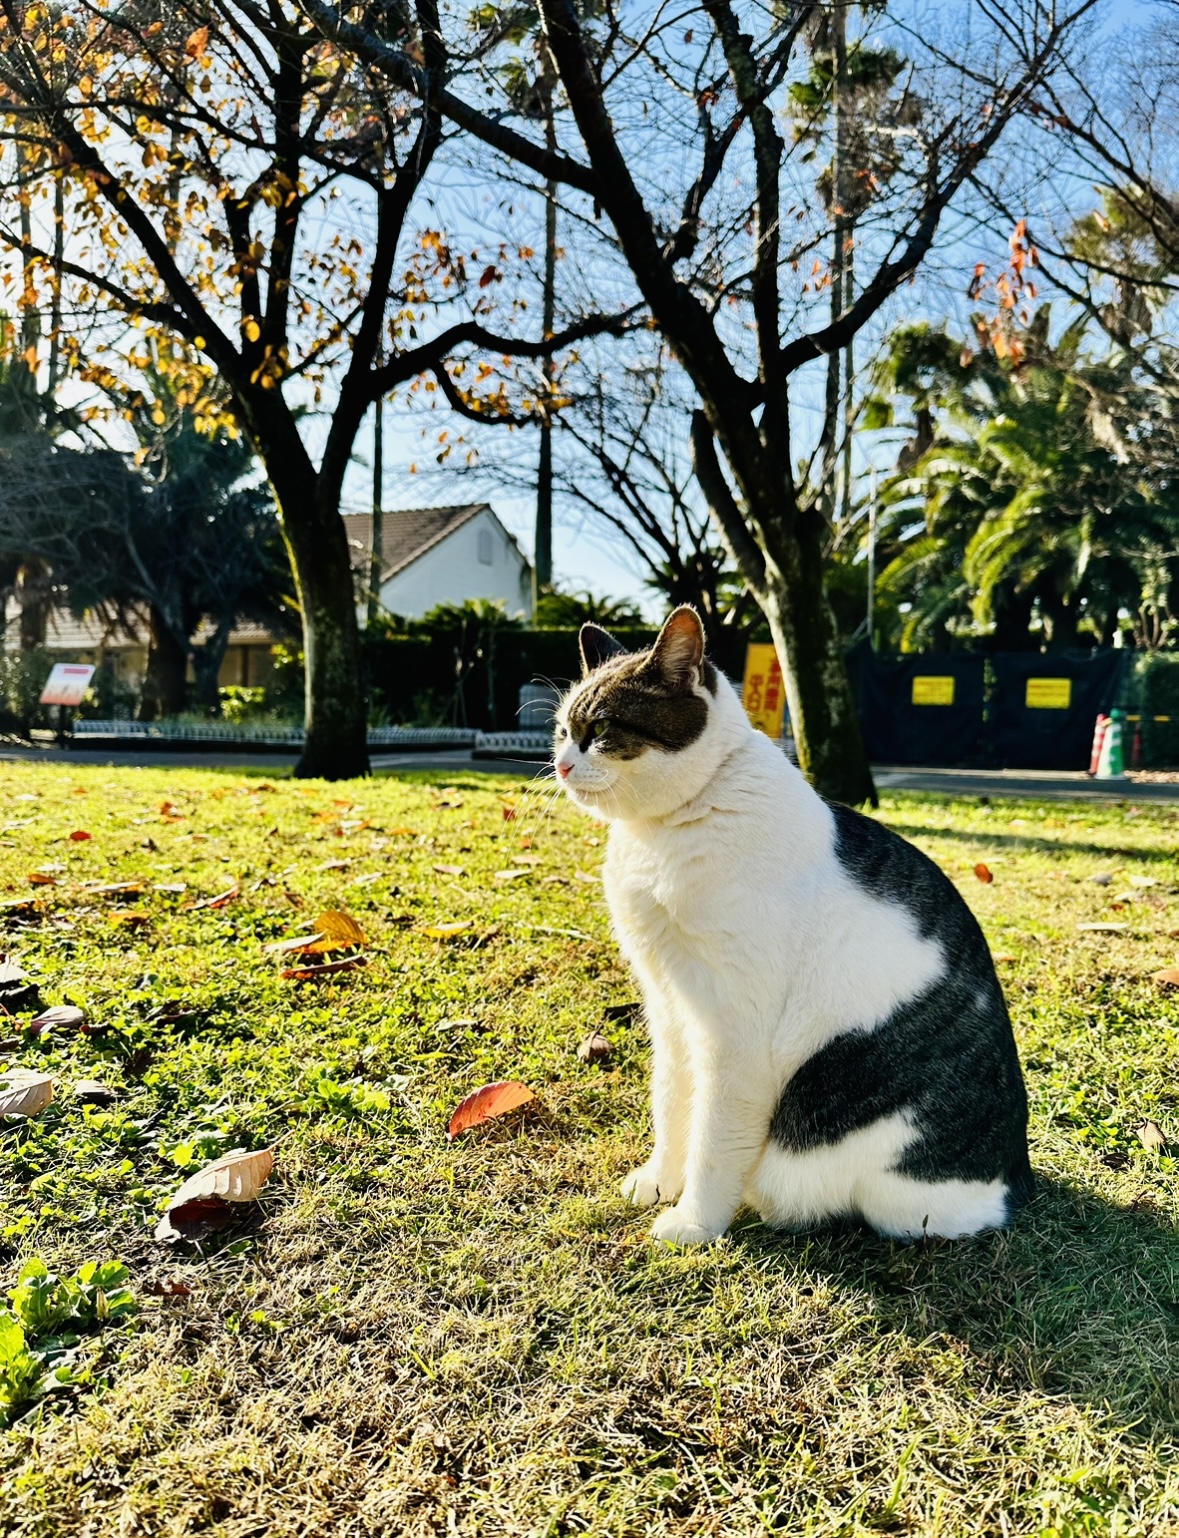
x,y
676,1227
645,1188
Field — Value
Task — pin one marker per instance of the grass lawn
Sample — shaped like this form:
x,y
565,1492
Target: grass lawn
x,y
406,1335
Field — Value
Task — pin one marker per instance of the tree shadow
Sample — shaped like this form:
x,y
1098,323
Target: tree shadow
x,y
1079,1298
1023,841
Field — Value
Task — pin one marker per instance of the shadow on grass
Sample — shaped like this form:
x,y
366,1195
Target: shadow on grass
x,y
1080,1298
1024,842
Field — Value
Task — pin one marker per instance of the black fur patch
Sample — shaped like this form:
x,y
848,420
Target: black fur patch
x,y
948,1055
627,706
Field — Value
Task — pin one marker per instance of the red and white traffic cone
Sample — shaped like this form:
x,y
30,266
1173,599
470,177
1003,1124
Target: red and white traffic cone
x,y
1099,732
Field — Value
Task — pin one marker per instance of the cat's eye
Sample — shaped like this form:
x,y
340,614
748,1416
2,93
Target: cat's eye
x,y
562,733
596,729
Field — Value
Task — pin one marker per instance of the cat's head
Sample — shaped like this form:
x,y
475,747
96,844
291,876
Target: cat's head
x,y
637,735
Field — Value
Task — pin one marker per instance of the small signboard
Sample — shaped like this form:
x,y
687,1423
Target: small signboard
x,y
1049,694
933,691
67,684
763,693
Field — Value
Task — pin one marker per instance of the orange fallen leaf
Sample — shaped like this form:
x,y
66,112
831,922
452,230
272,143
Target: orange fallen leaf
x,y
1003,956
79,836
23,1093
41,878
1169,977
490,1101
983,873
509,812
341,927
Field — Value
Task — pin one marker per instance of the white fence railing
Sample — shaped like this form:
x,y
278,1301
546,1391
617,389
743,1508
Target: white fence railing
x,y
389,737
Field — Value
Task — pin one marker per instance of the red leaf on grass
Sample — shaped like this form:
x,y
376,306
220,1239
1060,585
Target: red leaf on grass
x,y
983,873
79,836
486,1103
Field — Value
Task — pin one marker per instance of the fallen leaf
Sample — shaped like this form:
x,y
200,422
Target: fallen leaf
x,y
490,1101
80,836
168,1287
24,1093
133,888
327,969
510,875
91,1092
1169,977
449,870
203,1203
41,878
983,874
403,833
594,1048
220,900
172,888
449,931
131,918
341,927
1002,956
1143,881
1151,1135
1102,929
67,1016
335,865
198,41
586,876
1103,879
296,943
509,812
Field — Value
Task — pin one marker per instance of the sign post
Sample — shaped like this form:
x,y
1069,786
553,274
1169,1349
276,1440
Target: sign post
x,y
66,688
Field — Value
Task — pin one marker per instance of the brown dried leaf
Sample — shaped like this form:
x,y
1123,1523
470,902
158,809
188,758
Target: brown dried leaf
x,y
41,878
220,900
594,1048
92,1092
80,836
1168,976
983,873
198,41
67,1016
327,969
235,1177
491,1101
449,870
23,1093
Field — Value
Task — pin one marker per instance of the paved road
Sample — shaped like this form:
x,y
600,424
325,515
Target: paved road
x,y
1039,784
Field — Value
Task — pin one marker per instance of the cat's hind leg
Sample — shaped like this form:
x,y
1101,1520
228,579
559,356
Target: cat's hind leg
x,y
904,1207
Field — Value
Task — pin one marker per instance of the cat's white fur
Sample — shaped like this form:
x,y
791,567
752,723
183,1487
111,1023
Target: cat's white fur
x,y
753,948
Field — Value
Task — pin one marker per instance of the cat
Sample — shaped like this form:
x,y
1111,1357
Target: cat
x,y
829,1037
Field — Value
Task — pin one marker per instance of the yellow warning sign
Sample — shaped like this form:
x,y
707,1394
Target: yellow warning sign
x,y
762,692
933,691
1049,693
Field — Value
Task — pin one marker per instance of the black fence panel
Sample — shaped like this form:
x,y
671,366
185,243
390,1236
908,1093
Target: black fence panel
x,y
1045,704
921,710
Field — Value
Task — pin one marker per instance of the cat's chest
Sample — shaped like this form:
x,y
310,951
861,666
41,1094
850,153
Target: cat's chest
x,y
661,891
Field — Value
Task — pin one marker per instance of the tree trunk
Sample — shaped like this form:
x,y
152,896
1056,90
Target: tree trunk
x,y
1013,619
206,667
33,593
167,667
336,743
810,649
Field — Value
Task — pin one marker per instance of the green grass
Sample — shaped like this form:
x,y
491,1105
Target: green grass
x,y
412,1336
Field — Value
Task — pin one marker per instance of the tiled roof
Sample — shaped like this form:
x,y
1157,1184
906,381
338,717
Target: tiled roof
x,y
405,534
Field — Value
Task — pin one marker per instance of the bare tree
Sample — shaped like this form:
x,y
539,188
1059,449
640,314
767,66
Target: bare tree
x,y
713,220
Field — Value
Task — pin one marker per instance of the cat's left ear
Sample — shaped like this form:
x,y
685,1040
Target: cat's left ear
x,y
679,651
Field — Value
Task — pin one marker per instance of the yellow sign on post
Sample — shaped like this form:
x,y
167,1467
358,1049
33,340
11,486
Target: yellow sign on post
x,y
933,691
1049,693
763,693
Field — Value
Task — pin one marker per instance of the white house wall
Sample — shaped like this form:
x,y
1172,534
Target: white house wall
x,y
451,572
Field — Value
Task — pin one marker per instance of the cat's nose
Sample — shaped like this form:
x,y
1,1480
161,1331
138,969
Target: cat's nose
x,y
563,770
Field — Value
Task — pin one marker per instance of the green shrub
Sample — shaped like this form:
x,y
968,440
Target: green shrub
x,y
1156,693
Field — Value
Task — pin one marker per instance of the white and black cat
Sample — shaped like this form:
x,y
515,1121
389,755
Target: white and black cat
x,y
829,1034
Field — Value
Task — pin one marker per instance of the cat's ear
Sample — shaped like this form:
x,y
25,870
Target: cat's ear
x,y
597,646
679,651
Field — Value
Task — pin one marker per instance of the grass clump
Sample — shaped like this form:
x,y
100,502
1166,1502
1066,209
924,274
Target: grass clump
x,y
418,1336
